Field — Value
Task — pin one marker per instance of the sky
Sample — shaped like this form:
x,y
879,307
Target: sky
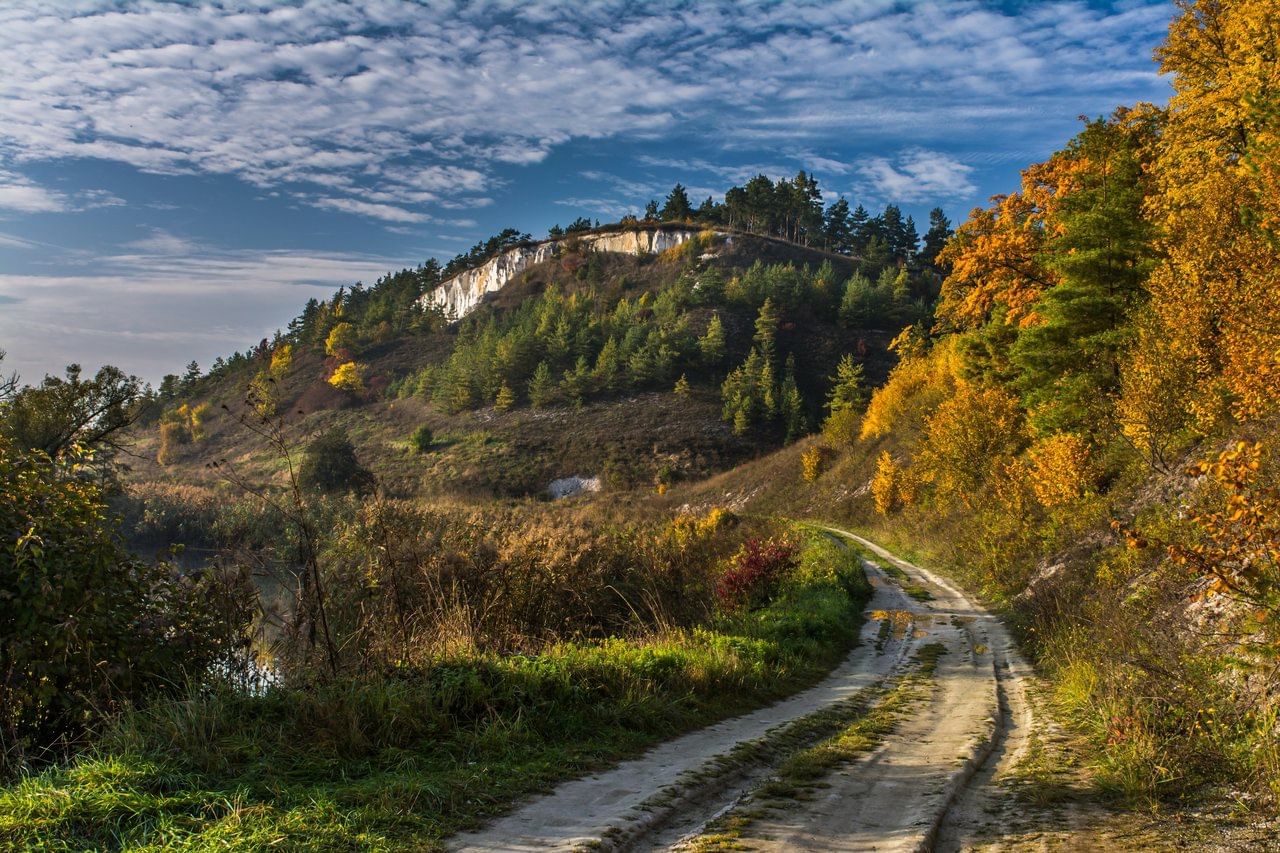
x,y
177,179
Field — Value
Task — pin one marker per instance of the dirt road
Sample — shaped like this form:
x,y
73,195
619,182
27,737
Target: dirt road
x,y
921,785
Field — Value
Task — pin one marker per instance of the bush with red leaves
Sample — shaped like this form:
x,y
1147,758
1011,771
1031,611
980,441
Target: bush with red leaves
x,y
754,575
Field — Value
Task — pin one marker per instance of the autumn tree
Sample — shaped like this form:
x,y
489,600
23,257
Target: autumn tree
x,y
1216,293
967,437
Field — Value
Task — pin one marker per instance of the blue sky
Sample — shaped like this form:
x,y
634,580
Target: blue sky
x,y
176,180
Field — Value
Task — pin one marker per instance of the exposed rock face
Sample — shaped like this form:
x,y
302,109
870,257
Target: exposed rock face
x,y
567,487
461,294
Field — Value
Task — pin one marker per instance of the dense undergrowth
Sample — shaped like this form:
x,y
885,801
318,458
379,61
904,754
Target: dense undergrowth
x,y
399,753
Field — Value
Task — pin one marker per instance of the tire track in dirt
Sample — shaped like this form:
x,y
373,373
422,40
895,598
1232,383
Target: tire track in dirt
x,y
687,780
915,788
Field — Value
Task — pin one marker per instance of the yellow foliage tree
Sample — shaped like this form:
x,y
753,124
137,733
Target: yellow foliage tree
x,y
1217,293
993,258
968,438
885,484
341,342
914,389
811,463
180,426
1156,385
348,377
281,361
1059,469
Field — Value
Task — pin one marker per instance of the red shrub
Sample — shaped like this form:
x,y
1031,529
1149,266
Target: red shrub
x,y
757,569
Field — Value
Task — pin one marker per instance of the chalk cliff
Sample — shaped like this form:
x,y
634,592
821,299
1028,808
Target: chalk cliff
x,y
461,294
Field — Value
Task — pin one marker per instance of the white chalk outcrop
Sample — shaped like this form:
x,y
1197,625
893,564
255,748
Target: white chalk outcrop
x,y
567,487
461,294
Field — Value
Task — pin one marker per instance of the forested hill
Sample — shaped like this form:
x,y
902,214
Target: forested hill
x,y
739,336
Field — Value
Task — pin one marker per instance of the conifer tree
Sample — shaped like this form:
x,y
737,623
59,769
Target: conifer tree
x,y
837,228
847,390
677,207
936,237
712,344
505,398
541,386
767,331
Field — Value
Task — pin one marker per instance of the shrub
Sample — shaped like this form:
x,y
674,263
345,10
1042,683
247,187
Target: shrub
x,y
756,573
840,429
329,464
422,439
172,436
84,626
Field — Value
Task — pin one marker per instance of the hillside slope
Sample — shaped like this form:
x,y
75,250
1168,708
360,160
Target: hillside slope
x,y
614,333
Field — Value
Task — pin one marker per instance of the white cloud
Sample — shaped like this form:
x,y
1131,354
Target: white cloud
x,y
163,302
161,242
21,195
399,106
918,175
388,212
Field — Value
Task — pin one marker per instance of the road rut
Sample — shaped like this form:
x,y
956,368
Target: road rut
x,y
896,798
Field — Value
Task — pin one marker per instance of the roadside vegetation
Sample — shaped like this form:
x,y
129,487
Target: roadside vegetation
x,y
474,665
1087,434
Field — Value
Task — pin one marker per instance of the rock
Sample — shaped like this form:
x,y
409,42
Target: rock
x,y
461,294
567,487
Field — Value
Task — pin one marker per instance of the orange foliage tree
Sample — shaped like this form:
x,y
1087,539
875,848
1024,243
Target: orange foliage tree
x,y
1217,294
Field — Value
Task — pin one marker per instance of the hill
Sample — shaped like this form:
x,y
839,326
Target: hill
x,y
570,368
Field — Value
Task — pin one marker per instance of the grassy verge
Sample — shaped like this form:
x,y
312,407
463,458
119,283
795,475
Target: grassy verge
x,y
398,762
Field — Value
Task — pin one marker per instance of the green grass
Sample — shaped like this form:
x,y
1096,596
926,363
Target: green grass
x,y
398,761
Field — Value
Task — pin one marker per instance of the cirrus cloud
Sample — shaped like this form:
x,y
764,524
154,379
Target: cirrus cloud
x,y
384,108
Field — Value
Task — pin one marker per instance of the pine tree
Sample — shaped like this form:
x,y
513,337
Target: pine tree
x,y
767,331
911,240
936,237
651,211
505,398
677,207
847,391
791,404
608,371
837,229
577,381
541,386
859,230
894,231
856,309
712,344
682,386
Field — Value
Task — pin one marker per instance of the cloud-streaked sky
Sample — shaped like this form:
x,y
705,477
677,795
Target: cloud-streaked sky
x,y
177,179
